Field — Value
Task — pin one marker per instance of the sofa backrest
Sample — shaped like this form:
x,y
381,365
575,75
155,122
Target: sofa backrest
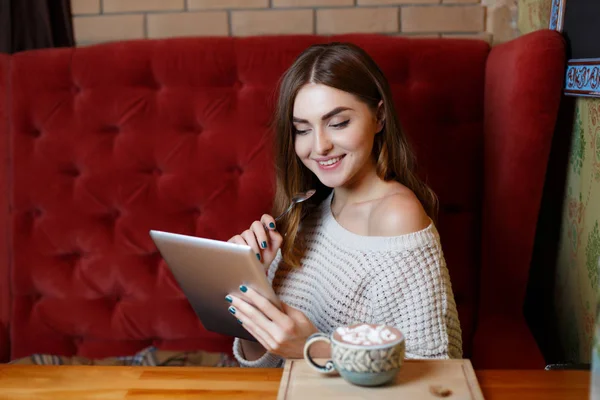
x,y
4,212
110,141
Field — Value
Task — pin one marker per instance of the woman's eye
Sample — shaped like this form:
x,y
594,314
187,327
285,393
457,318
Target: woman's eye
x,y
300,131
341,124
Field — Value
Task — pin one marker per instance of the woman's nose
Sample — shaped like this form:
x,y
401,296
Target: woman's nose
x,y
322,144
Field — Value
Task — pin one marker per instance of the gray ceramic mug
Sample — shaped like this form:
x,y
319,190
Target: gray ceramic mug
x,y
363,354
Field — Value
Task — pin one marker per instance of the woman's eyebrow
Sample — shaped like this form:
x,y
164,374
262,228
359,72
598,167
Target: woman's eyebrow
x,y
328,115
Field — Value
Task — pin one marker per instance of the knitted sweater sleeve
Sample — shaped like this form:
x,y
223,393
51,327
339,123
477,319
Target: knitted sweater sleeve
x,y
268,360
411,290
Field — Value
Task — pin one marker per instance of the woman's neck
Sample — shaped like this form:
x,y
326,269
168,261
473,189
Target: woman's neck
x,y
367,187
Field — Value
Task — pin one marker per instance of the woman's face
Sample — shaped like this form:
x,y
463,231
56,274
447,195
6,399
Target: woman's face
x,y
334,134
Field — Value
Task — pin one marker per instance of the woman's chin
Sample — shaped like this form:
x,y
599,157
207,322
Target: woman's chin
x,y
331,183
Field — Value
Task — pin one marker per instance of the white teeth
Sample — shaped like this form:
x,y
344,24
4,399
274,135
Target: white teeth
x,y
330,162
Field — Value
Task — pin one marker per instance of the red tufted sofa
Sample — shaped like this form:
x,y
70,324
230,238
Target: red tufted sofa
x,y
103,143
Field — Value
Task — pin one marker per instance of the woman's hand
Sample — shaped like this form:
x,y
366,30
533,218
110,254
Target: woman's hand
x,y
263,237
280,332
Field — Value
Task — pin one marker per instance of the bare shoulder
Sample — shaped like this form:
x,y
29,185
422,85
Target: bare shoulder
x,y
398,214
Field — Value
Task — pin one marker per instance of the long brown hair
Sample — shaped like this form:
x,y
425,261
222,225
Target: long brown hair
x,y
349,68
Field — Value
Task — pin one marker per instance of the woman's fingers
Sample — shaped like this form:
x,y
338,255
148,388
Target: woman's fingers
x,y
253,321
260,233
261,336
266,308
268,222
262,237
251,241
263,313
237,239
247,238
275,238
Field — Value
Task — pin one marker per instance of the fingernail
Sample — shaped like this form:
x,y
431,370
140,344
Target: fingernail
x,y
271,225
243,288
263,245
228,298
231,309
239,322
258,256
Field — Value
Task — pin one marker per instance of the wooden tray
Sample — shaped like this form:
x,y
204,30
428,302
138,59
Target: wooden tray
x,y
417,379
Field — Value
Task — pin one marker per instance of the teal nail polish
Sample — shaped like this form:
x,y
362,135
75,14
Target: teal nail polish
x,y
263,245
272,225
228,298
243,288
231,309
258,256
239,322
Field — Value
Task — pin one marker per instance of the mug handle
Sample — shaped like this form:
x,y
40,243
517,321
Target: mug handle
x,y
329,367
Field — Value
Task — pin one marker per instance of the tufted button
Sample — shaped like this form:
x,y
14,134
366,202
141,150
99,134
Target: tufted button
x,y
195,212
36,297
110,217
75,89
194,129
152,260
155,171
71,171
71,258
77,341
36,212
36,133
114,214
114,129
235,170
154,84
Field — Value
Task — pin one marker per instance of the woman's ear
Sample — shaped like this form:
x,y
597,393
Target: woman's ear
x,y
380,115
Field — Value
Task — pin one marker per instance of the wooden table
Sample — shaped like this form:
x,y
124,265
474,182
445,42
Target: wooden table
x,y
86,382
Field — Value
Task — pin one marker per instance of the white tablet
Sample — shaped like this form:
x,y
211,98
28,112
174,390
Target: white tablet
x,y
207,270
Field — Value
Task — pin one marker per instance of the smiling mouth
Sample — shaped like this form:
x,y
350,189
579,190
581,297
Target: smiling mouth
x,y
331,161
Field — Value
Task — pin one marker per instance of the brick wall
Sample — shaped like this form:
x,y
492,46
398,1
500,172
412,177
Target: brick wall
x,y
98,21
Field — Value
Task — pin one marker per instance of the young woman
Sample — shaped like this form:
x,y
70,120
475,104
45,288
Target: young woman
x,y
364,248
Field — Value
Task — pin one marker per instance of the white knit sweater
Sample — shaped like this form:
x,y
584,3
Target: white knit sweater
x,y
347,278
